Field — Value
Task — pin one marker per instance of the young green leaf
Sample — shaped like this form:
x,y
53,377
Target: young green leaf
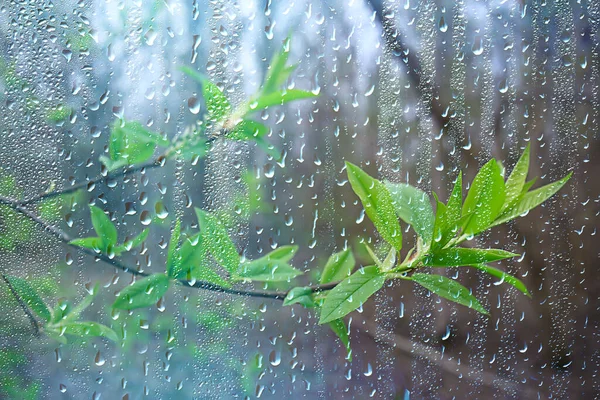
x,y
88,328
448,289
504,277
278,73
460,256
378,204
531,200
104,228
217,104
143,293
351,293
278,98
247,130
267,270
205,273
85,303
448,217
30,297
373,256
300,295
192,254
173,257
93,243
339,266
283,253
131,143
413,207
485,199
132,243
217,241
516,180
339,328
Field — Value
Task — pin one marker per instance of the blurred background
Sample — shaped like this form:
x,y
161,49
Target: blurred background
x,y
413,91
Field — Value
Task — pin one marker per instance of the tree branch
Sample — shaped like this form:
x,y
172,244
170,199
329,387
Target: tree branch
x,y
65,238
24,306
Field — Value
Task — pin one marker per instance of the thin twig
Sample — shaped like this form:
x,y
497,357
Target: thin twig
x,y
24,306
159,161
65,238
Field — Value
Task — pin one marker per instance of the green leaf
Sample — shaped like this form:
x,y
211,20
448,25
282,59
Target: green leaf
x,y
192,254
378,204
278,98
448,289
300,295
93,243
531,200
143,293
351,293
133,143
85,303
413,207
30,297
504,277
217,104
448,217
460,256
247,130
173,258
283,253
268,148
485,199
516,180
278,73
217,241
88,328
339,266
267,270
133,243
204,273
339,328
104,228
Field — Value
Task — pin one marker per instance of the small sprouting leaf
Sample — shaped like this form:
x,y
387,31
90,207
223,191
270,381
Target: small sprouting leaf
x,y
217,241
87,329
460,256
413,207
278,73
133,243
267,270
131,143
373,256
516,180
448,217
143,293
85,303
339,328
504,277
283,253
378,204
339,266
247,130
93,243
485,199
448,289
278,98
300,295
217,104
173,257
531,200
351,293
30,297
104,228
